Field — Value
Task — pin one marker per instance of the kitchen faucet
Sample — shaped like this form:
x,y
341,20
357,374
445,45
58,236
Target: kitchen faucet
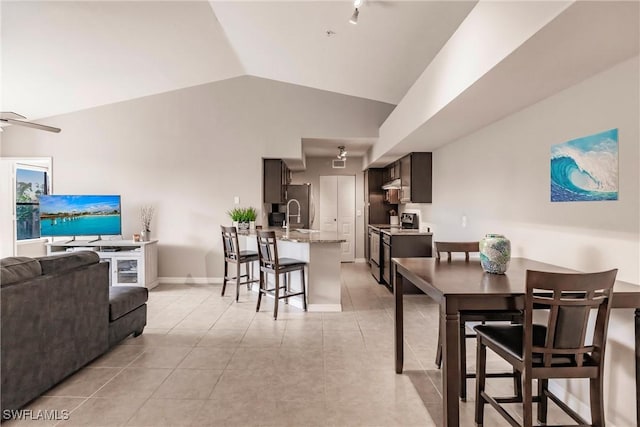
x,y
288,215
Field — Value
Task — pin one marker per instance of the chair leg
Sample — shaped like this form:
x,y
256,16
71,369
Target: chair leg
x,y
238,265
261,286
517,378
517,384
304,292
542,404
287,276
249,267
439,349
527,399
597,402
277,296
481,368
463,362
224,280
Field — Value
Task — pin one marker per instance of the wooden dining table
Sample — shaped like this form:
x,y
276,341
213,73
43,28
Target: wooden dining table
x,y
460,285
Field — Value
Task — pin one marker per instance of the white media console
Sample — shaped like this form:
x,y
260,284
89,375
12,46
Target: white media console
x,y
132,263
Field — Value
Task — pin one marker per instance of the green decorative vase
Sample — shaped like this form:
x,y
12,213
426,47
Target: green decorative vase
x,y
495,253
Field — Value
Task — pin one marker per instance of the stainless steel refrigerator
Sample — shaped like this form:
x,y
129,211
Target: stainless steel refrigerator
x,y
302,193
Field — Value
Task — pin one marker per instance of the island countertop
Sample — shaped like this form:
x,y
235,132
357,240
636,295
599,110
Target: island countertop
x,y
312,236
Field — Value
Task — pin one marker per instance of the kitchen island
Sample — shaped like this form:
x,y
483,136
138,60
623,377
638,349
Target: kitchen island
x,y
321,250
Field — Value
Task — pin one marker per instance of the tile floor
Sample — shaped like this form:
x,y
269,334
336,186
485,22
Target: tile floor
x,y
205,360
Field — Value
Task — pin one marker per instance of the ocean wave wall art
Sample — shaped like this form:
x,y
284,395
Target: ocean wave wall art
x,y
586,168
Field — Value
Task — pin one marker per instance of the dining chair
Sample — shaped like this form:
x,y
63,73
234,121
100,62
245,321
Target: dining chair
x,y
563,346
233,255
271,263
514,316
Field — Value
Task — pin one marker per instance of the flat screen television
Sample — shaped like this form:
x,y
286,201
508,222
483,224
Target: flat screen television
x,y
69,215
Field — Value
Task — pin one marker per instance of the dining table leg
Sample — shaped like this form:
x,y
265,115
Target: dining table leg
x,y
399,327
637,327
451,365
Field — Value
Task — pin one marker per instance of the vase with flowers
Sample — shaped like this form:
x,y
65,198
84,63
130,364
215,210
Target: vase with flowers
x,y
146,215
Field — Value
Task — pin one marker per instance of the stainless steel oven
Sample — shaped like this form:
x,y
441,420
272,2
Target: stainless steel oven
x,y
374,252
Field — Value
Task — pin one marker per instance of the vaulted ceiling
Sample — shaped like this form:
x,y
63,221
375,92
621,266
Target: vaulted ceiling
x,y
65,56
60,57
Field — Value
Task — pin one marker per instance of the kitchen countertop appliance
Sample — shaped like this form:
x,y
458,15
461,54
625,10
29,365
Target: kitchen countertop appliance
x,y
410,221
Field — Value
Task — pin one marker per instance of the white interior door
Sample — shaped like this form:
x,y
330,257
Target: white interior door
x,y
337,210
329,203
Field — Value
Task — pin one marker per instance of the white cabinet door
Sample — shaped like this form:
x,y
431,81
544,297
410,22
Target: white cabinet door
x,y
127,271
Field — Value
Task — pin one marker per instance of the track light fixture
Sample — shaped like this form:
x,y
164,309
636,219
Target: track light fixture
x,y
343,153
356,12
354,18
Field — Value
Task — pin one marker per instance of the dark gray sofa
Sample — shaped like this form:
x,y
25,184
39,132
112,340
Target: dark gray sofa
x,y
56,317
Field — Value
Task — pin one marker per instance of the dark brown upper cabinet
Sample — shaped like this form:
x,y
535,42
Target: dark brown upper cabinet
x,y
415,178
276,176
391,172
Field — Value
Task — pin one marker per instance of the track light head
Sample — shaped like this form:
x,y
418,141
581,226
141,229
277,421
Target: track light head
x,y
354,17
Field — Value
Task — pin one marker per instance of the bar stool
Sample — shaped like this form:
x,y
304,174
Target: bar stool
x,y
233,254
270,263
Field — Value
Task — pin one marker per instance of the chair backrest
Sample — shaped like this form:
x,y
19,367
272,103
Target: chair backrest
x,y
267,248
453,247
230,243
570,299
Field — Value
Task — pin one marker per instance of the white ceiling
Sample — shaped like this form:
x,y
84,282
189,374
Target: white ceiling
x,y
60,57
318,147
589,37
378,59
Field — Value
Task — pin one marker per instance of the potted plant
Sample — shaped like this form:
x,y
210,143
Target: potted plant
x,y
237,215
243,218
251,215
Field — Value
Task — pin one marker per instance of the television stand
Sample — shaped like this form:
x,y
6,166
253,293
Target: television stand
x,y
94,240
131,263
73,239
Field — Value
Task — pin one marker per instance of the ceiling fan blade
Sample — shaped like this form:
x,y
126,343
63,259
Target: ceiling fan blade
x,y
11,115
32,125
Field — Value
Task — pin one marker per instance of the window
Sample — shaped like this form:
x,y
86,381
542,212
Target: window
x,y
31,182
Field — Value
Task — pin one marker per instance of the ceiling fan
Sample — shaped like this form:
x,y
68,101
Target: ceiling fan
x,y
17,119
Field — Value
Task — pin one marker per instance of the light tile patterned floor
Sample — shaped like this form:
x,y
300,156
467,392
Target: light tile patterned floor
x,y
205,360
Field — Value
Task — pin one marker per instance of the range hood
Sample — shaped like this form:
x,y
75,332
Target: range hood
x,y
392,185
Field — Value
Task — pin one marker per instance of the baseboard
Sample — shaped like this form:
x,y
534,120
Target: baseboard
x,y
324,307
361,260
190,280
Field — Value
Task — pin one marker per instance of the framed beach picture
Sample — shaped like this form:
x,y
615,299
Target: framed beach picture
x,y
585,169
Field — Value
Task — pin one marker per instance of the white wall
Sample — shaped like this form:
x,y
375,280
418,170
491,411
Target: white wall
x,y
319,166
499,178
188,153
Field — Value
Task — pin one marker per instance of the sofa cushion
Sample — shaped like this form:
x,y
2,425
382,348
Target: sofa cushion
x,y
124,299
16,269
67,261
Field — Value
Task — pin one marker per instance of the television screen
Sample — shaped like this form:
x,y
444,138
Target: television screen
x,y
79,215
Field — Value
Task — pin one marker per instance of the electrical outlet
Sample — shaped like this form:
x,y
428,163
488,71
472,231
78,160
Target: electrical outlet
x,y
464,221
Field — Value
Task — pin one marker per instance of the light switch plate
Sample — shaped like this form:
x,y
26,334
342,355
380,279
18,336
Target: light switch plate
x,y
236,200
